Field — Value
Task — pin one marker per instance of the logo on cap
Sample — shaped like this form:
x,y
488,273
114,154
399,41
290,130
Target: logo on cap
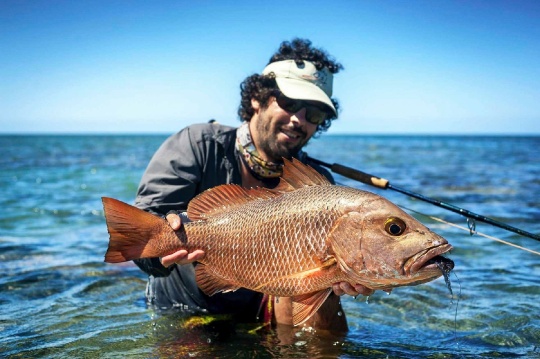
x,y
319,77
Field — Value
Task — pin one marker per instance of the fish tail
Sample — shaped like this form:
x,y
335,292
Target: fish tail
x,y
135,233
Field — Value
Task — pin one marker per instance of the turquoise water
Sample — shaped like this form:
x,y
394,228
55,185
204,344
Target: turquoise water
x,y
59,300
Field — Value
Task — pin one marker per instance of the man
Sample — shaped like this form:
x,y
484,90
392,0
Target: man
x,y
281,109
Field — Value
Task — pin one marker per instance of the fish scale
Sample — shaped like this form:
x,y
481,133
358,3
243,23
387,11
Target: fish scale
x,y
296,231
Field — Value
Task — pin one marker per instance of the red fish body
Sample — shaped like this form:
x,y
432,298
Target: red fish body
x,y
293,241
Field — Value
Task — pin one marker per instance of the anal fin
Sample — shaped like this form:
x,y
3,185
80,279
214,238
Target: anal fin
x,y
304,306
211,283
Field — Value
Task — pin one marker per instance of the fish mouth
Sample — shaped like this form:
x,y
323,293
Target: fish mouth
x,y
428,260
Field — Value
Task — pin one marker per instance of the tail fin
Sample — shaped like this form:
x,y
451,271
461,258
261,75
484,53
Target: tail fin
x,y
131,231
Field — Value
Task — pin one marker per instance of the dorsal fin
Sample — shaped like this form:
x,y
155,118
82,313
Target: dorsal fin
x,y
297,175
223,198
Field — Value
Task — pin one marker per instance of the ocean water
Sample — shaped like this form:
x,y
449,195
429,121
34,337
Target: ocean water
x,y
59,300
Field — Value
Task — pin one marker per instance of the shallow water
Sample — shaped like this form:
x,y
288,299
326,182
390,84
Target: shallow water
x,y
58,299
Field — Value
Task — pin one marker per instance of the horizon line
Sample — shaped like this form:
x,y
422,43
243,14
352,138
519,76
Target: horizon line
x,y
324,134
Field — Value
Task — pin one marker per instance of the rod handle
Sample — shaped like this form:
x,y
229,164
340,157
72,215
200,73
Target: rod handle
x,y
359,176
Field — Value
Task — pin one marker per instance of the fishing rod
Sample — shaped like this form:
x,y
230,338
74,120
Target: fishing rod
x,y
385,184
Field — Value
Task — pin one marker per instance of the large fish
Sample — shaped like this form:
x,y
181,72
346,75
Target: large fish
x,y
292,241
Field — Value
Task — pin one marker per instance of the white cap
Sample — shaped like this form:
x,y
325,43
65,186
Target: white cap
x,y
303,82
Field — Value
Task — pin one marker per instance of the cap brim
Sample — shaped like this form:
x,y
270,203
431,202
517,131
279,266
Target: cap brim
x,y
303,90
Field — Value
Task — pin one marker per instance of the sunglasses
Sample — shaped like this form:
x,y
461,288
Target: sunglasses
x,y
314,114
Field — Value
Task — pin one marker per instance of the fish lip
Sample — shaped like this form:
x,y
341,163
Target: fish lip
x,y
419,260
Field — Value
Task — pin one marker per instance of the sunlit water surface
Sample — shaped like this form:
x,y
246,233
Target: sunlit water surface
x,y
59,300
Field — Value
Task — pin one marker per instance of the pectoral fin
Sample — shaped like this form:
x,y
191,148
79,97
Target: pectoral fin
x,y
310,274
304,306
211,283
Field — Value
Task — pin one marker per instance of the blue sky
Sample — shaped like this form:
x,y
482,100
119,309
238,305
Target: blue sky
x,y
156,66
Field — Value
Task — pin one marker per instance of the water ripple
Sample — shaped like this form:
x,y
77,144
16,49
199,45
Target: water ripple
x,y
58,298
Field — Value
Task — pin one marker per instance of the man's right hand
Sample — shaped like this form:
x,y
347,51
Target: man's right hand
x,y
182,256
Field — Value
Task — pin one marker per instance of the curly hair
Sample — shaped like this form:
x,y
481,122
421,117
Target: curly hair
x,y
263,87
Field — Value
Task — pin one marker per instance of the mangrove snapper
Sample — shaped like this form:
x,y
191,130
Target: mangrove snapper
x,y
295,240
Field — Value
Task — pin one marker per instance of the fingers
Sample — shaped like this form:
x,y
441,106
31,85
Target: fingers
x,y
174,221
342,288
360,289
182,257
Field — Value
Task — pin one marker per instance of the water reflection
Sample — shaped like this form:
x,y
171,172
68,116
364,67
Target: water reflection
x,y
177,337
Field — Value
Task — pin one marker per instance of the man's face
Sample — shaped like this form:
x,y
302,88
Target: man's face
x,y
277,133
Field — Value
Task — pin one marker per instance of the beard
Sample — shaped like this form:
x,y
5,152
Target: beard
x,y
275,150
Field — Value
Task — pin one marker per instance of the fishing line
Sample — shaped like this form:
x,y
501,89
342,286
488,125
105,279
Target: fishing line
x,y
473,231
458,298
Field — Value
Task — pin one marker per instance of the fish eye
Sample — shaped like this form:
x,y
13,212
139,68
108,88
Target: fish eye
x,y
394,226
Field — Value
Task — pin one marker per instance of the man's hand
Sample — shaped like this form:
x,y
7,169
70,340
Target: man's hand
x,y
354,290
182,256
